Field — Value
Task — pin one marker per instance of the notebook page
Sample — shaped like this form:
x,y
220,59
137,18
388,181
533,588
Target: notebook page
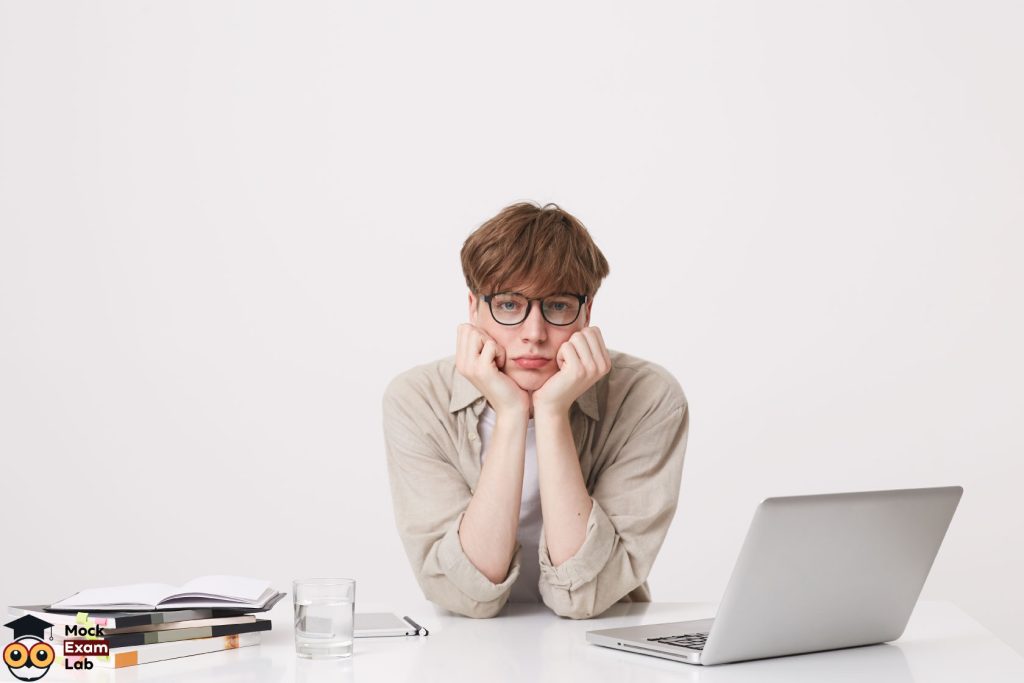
x,y
132,594
222,585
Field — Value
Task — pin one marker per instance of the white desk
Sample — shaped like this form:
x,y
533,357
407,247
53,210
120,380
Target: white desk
x,y
529,643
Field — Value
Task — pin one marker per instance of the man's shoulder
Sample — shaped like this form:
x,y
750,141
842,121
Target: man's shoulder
x,y
641,377
427,381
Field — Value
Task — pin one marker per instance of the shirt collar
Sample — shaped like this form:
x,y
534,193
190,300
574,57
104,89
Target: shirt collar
x,y
464,394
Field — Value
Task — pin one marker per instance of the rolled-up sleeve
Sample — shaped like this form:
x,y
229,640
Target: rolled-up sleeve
x,y
634,501
430,497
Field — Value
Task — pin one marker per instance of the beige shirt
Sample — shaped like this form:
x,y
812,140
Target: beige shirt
x,y
630,431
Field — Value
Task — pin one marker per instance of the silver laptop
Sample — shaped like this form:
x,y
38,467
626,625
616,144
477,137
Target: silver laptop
x,y
815,573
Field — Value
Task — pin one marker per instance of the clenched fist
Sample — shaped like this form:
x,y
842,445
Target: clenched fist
x,y
481,360
582,361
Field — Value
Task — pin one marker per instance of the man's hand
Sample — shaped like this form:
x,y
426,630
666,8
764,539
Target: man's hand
x,y
480,359
581,362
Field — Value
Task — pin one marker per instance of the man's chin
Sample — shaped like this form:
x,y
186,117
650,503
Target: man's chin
x,y
529,381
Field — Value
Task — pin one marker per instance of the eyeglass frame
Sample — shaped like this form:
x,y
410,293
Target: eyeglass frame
x,y
582,298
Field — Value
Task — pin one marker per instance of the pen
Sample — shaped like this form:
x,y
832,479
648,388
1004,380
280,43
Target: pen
x,y
419,629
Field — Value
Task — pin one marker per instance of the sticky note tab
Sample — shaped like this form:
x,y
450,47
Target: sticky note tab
x,y
82,617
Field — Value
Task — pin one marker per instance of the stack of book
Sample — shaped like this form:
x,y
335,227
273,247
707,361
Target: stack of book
x,y
144,623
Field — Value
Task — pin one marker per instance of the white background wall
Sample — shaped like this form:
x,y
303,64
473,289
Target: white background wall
x,y
224,226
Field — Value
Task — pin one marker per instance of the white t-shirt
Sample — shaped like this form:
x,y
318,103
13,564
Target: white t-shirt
x,y
525,588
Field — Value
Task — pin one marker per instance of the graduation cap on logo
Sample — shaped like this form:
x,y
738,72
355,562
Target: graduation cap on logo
x,y
28,625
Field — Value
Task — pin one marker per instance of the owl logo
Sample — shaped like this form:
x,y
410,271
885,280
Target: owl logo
x,y
29,657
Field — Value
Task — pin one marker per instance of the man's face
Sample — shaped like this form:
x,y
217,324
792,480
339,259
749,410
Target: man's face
x,y
530,346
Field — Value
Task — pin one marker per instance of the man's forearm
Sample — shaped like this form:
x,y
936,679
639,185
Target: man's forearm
x,y
489,527
565,502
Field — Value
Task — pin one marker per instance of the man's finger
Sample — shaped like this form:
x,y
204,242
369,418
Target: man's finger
x,y
487,354
500,355
477,341
597,351
480,331
499,350
604,347
582,346
570,359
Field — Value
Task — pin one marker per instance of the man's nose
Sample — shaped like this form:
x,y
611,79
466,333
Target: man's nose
x,y
534,328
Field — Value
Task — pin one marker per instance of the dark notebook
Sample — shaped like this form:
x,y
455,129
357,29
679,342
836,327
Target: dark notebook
x,y
116,619
171,635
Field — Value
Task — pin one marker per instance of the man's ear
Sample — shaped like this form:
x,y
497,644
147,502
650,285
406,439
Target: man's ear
x,y
472,307
590,303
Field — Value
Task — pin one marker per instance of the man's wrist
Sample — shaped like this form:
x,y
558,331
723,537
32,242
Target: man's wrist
x,y
549,413
512,416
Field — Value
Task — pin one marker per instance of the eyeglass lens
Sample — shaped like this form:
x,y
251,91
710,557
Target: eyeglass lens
x,y
511,309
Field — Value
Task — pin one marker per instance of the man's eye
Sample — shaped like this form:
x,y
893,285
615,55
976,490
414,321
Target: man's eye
x,y
558,306
508,306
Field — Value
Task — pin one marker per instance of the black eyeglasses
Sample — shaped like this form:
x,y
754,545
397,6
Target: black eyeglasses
x,y
512,308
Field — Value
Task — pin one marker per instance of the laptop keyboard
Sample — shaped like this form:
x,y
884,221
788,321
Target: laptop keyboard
x,y
693,641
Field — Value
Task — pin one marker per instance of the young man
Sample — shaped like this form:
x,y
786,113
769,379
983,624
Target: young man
x,y
535,464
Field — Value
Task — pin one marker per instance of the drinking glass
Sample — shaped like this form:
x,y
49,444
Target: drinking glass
x,y
324,615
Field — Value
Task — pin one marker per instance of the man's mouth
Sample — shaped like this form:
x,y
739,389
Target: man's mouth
x,y
531,362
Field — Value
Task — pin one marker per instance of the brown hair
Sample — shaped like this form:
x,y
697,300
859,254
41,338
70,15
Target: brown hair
x,y
543,250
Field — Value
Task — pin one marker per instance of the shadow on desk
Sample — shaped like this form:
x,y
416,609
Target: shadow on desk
x,y
527,646
235,666
877,663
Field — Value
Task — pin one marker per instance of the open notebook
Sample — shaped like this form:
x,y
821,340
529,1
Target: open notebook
x,y
219,591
